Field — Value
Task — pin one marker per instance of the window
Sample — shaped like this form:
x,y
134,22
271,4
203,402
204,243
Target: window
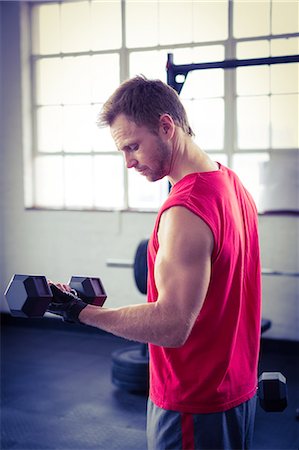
x,y
82,50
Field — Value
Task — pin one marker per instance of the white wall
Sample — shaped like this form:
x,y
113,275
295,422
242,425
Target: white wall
x,y
279,247
59,244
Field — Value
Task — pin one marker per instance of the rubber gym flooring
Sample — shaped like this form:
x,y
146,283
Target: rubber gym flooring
x,y
56,391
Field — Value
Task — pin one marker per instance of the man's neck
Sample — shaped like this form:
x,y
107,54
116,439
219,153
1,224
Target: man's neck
x,y
190,158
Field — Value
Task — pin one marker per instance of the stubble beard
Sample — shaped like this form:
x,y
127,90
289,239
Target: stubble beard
x,y
161,164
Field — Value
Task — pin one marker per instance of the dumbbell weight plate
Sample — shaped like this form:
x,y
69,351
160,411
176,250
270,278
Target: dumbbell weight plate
x,y
139,370
130,369
140,266
28,295
133,386
89,289
130,357
129,374
272,391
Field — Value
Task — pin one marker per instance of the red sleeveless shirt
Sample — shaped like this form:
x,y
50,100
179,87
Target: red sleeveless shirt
x,y
216,369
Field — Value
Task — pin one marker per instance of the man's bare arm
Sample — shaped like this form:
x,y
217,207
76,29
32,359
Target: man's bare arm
x,y
182,275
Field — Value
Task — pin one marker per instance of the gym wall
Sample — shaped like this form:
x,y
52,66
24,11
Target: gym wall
x,y
59,244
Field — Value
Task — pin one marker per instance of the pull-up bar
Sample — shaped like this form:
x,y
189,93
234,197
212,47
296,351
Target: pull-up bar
x,y
183,69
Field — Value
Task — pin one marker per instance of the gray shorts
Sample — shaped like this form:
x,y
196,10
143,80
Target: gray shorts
x,y
172,430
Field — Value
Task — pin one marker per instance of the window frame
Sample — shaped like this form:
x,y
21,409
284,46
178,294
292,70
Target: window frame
x,y
230,146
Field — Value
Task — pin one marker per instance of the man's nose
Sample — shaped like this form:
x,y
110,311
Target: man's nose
x,y
130,162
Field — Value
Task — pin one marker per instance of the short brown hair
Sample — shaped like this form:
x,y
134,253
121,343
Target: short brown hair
x,y
143,101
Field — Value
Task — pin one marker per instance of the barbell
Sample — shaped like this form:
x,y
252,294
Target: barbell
x,y
139,265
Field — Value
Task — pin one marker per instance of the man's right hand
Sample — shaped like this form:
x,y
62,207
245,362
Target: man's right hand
x,y
65,304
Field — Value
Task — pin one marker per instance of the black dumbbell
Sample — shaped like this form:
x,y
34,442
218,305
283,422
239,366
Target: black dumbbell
x,y
272,391
89,289
30,295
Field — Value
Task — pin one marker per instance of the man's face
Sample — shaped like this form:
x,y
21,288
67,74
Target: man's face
x,y
144,151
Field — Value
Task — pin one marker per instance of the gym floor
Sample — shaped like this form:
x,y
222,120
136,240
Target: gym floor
x,y
56,391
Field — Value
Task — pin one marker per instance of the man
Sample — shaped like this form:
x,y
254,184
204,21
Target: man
x,y
202,318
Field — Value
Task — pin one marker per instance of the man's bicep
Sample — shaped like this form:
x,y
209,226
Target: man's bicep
x,y
183,265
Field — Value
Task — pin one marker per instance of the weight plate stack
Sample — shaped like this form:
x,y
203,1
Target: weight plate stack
x,y
130,369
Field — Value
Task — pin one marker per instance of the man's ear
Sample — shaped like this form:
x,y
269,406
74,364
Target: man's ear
x,y
167,126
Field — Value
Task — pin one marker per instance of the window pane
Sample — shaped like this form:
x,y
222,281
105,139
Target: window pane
x,y
101,140
253,122
49,181
75,26
284,121
285,15
48,78
210,20
105,19
77,128
76,80
49,129
285,78
152,64
46,29
204,84
207,53
175,22
247,167
219,157
253,80
104,76
145,194
253,49
251,18
109,181
141,23
78,181
207,121
288,46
